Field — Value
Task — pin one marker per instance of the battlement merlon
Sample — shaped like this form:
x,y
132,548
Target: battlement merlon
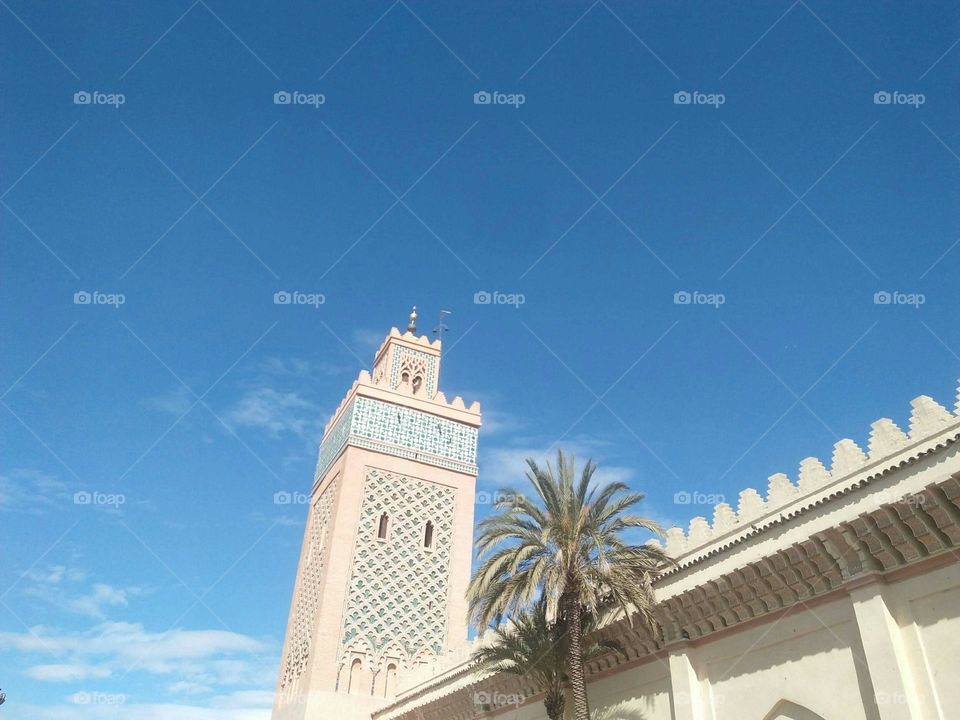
x,y
887,442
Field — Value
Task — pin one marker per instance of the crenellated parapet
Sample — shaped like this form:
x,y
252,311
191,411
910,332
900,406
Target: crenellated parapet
x,y
886,442
365,380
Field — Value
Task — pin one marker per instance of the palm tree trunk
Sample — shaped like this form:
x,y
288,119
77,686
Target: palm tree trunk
x,y
578,684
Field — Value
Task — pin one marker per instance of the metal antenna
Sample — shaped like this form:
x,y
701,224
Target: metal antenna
x,y
441,327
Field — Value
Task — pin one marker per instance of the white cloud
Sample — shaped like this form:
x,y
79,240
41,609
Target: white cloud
x,y
103,595
135,711
30,491
186,687
66,672
176,402
276,413
366,341
52,585
54,574
507,466
294,367
495,420
212,657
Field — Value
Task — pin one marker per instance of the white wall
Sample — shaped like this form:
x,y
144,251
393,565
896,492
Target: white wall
x,y
808,661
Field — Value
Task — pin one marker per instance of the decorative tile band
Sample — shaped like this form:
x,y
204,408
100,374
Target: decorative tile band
x,y
402,432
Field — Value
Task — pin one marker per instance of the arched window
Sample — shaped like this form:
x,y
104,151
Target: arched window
x,y
390,684
417,382
383,527
355,668
428,535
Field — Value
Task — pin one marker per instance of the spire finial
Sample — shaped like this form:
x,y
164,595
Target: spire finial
x,y
412,325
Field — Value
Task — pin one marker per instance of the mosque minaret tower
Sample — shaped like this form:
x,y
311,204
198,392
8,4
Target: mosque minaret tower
x,y
385,561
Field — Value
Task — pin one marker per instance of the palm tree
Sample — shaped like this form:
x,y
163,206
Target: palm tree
x,y
534,646
565,544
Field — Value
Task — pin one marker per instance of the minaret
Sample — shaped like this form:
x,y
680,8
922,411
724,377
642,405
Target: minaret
x,y
386,553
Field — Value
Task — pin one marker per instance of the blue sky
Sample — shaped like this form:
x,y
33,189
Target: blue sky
x,y
783,190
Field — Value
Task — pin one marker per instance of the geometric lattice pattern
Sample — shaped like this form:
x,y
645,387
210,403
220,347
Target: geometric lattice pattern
x,y
308,587
415,363
402,432
397,598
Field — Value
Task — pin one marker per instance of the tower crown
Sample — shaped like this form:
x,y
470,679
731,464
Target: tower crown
x,y
408,364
